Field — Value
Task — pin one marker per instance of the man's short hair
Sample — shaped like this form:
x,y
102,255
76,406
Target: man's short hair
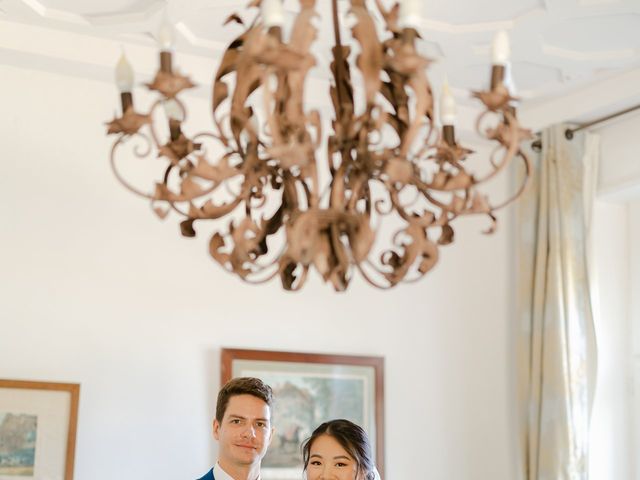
x,y
242,386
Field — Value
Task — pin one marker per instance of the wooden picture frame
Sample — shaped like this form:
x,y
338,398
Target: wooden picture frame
x,y
41,419
343,386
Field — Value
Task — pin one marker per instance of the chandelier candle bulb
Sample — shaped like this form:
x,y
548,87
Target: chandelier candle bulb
x,y
166,39
166,36
124,74
173,111
500,51
409,16
175,116
124,81
272,13
447,106
512,106
448,114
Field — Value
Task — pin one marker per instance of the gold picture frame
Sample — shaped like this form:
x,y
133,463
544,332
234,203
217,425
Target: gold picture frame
x,y
38,426
341,386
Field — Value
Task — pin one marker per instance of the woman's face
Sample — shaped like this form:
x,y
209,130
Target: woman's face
x,y
328,460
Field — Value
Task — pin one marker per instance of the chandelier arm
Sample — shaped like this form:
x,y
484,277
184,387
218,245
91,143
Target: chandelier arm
x,y
509,139
523,185
420,86
367,198
152,129
378,205
276,259
300,281
308,193
510,151
207,134
183,197
114,168
369,279
313,197
338,58
417,196
398,271
383,274
262,200
268,98
338,248
219,126
259,269
424,187
227,188
290,191
253,281
356,190
336,198
176,209
431,131
395,200
415,279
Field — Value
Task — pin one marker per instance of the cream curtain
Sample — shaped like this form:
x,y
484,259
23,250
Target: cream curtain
x,y
556,341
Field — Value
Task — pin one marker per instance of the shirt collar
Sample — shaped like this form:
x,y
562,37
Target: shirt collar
x,y
220,474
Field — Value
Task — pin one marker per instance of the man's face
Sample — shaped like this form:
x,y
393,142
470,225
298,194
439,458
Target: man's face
x,y
245,431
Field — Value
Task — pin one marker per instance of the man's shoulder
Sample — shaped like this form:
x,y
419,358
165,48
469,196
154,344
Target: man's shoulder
x,y
207,476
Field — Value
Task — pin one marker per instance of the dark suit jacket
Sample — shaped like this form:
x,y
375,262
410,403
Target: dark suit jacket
x,y
208,476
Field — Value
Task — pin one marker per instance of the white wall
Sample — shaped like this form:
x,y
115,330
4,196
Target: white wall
x,y
611,433
94,289
634,317
620,172
615,431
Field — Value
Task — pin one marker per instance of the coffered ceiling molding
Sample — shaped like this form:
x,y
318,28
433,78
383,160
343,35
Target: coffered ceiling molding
x,y
602,56
484,12
470,77
96,13
91,8
430,49
558,46
592,100
434,26
529,76
588,3
205,27
587,34
49,13
140,16
196,41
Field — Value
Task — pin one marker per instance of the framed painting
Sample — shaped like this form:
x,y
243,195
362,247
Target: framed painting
x,y
310,389
38,423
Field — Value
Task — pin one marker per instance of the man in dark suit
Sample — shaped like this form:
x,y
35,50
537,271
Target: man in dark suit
x,y
242,428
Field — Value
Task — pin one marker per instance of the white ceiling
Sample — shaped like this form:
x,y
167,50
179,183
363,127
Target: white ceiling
x,y
558,46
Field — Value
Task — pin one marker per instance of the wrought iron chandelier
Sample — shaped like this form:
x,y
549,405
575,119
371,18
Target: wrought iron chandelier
x,y
391,185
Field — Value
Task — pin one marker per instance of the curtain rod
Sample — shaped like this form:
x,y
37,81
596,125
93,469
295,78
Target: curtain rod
x,y
568,133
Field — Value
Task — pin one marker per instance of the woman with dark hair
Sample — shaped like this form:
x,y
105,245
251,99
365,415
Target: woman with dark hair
x,y
340,450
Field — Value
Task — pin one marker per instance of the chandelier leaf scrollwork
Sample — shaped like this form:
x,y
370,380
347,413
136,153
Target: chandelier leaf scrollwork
x,y
384,200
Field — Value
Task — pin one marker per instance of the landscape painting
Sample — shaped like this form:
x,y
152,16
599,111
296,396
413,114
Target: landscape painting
x,y
302,402
17,444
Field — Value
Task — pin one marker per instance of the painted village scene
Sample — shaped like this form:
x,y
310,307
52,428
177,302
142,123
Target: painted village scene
x,y
17,444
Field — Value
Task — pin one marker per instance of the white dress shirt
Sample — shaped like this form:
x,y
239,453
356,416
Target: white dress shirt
x,y
220,474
